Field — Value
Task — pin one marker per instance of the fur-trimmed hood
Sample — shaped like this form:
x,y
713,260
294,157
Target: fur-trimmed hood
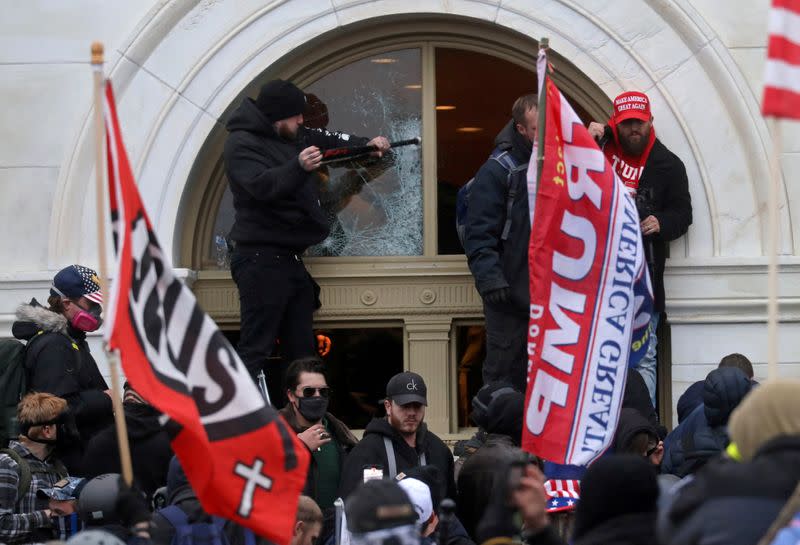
x,y
33,317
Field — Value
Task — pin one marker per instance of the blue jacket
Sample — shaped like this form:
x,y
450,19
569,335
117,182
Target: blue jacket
x,y
703,434
493,262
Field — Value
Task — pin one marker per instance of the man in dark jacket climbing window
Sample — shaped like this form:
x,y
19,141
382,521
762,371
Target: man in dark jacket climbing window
x,y
57,358
496,235
271,161
400,441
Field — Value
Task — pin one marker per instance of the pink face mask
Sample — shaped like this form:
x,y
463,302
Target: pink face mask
x,y
84,320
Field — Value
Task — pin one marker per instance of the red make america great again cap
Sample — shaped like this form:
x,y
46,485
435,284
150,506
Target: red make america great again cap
x,y
631,105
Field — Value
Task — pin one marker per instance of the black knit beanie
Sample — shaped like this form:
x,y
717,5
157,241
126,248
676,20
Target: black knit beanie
x,y
279,99
615,485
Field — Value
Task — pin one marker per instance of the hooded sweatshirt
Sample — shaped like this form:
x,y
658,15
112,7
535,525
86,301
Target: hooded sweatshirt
x,y
371,451
276,202
149,444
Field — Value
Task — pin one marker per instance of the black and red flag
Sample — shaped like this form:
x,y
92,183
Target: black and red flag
x,y
241,458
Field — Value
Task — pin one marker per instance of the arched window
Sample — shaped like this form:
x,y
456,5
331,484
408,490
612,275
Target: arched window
x,y
455,93
396,289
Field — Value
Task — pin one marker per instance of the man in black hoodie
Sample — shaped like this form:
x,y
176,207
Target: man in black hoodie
x,y
149,444
399,441
496,243
271,161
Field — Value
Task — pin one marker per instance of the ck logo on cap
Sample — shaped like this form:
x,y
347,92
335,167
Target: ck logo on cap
x,y
411,385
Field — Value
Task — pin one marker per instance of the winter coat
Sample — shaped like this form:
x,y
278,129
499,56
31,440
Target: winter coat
x,y
665,189
704,434
477,477
342,437
493,262
149,444
631,529
59,362
276,202
371,451
455,533
733,503
690,400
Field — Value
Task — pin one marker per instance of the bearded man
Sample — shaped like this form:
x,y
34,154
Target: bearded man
x,y
656,178
400,441
271,161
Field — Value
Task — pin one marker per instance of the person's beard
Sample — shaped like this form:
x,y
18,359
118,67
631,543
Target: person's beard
x,y
635,148
404,427
286,133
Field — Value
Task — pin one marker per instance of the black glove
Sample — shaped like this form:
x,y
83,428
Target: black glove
x,y
498,297
131,505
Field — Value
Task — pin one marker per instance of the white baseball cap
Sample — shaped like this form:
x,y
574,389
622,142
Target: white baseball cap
x,y
420,496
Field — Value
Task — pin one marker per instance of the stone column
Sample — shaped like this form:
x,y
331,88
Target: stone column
x,y
428,354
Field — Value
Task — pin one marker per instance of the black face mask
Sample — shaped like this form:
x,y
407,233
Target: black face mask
x,y
312,408
67,432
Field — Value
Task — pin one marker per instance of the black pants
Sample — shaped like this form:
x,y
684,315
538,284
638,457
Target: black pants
x,y
277,298
506,345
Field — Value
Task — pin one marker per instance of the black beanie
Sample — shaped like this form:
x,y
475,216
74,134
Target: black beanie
x,y
280,99
505,415
484,397
615,485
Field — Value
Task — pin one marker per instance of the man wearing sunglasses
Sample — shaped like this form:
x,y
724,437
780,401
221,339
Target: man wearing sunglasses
x,y
328,439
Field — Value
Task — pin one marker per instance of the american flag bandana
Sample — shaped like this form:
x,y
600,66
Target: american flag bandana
x,y
562,494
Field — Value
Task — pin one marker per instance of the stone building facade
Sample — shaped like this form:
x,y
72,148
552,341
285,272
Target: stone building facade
x,y
179,66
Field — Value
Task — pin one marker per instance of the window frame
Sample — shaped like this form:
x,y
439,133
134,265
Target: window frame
x,y
345,49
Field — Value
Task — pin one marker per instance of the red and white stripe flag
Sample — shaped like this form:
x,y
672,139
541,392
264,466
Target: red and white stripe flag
x,y
782,74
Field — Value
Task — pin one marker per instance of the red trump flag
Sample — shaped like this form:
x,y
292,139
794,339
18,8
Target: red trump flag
x,y
590,290
241,458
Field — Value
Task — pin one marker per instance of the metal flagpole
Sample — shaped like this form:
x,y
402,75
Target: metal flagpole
x,y
111,356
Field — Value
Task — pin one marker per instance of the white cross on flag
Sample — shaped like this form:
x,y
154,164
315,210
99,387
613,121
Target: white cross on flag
x,y
782,74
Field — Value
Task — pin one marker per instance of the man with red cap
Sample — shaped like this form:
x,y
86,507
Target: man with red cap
x,y
656,178
271,161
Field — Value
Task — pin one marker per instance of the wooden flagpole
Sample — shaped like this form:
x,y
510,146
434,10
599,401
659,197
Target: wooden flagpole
x,y
772,249
113,360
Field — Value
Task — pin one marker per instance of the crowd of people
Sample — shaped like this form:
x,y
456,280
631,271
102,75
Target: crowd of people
x,y
727,473
723,475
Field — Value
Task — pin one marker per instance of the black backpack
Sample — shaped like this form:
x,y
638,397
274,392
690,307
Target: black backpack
x,y
505,159
13,385
26,473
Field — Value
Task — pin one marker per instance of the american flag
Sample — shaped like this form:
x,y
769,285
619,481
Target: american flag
x,y
782,74
562,494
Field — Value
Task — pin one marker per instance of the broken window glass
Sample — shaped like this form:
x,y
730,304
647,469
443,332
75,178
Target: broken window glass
x,y
374,206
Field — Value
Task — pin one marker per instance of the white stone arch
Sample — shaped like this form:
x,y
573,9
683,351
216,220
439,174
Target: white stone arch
x,y
189,59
